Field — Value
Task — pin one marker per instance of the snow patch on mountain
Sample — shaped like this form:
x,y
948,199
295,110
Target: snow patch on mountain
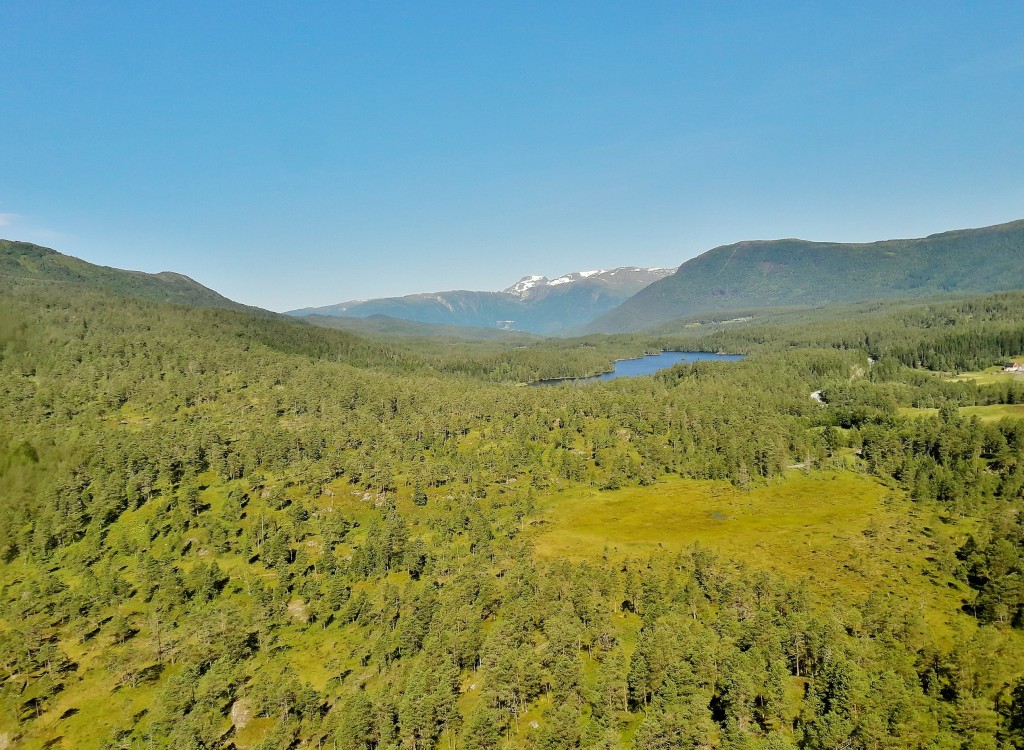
x,y
442,301
528,285
525,284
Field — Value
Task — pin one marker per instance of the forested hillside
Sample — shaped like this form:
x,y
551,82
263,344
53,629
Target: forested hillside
x,y
384,325
30,263
226,531
775,273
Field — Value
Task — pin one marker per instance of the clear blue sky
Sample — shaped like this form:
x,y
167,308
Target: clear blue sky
x,y
293,154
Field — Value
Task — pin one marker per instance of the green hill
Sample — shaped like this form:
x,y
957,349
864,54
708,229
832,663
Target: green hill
x,y
28,263
759,274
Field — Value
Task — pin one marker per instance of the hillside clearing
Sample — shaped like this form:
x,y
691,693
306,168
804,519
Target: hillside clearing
x,y
844,532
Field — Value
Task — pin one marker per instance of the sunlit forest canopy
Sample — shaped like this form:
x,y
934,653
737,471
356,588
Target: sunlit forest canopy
x,y
222,530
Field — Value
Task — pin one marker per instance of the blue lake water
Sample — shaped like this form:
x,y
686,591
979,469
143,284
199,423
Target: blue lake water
x,y
631,368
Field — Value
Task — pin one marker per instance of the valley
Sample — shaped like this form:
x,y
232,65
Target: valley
x,y
231,529
511,376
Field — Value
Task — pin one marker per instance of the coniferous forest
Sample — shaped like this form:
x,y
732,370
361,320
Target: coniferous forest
x,y
221,529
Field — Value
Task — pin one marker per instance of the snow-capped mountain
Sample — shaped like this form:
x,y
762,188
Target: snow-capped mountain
x,y
627,277
525,284
534,303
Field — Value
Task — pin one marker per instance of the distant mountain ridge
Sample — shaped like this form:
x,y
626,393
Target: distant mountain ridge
x,y
622,277
769,273
744,276
534,304
26,262
382,325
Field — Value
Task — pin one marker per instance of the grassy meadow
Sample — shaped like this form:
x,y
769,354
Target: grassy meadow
x,y
845,533
988,413
992,375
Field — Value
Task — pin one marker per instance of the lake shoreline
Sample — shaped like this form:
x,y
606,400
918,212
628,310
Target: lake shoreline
x,y
648,364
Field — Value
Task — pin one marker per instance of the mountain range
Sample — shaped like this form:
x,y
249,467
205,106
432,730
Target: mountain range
x,y
743,276
534,304
761,274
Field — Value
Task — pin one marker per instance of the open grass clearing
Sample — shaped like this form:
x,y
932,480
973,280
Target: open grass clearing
x,y
994,374
989,413
845,533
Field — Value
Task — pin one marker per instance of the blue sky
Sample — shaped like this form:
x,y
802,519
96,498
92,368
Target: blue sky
x,y
294,154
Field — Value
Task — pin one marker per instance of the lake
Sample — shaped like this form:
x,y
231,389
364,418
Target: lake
x,y
651,363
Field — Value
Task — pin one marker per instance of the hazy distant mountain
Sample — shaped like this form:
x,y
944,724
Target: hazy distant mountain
x,y
382,325
27,263
534,303
758,274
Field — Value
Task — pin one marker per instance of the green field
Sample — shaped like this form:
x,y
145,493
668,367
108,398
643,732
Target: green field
x,y
991,375
990,413
844,532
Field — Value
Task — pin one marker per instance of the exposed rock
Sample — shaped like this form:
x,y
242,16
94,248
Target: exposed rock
x,y
241,714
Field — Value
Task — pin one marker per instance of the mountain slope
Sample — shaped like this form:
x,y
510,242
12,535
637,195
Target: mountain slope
x,y
455,307
749,275
534,304
26,262
383,325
